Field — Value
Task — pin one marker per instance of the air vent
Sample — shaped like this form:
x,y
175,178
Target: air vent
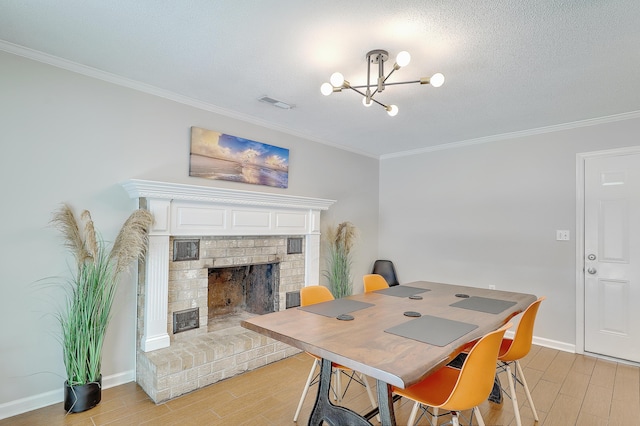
x,y
294,245
275,102
186,250
292,299
188,319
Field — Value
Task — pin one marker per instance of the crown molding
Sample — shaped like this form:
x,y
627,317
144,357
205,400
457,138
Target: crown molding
x,y
162,93
520,134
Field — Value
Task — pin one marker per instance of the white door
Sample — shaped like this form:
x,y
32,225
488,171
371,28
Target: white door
x,y
612,256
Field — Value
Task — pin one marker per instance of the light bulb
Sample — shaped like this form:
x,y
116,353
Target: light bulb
x,y
336,79
392,110
403,58
326,89
364,102
436,80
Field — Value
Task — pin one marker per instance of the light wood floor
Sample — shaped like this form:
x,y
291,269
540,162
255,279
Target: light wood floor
x,y
567,389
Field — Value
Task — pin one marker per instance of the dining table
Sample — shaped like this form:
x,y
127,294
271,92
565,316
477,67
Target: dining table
x,y
396,335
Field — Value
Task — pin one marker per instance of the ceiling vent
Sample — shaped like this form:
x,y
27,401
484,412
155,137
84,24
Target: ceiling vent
x,y
275,102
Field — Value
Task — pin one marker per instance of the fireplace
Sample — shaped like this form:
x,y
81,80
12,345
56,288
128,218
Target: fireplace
x,y
241,230
237,289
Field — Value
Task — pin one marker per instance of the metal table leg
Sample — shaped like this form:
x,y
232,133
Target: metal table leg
x,y
325,410
385,404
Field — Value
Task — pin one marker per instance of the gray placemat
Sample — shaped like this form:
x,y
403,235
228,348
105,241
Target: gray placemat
x,y
432,330
333,308
484,304
401,291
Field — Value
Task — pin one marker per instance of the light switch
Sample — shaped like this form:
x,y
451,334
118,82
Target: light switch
x,y
562,235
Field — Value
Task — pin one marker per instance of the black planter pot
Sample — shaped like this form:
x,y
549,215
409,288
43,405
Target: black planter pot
x,y
82,398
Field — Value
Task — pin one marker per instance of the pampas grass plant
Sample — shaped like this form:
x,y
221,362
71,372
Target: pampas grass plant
x,y
340,242
92,289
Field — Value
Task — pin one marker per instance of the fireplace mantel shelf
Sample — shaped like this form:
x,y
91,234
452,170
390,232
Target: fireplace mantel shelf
x,y
137,188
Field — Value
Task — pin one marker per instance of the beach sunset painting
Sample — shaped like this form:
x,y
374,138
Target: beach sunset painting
x,y
216,155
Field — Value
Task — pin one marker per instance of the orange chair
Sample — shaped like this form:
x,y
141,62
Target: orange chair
x,y
513,350
373,282
461,389
309,296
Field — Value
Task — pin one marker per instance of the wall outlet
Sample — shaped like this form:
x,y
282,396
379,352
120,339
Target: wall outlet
x,y
492,287
562,235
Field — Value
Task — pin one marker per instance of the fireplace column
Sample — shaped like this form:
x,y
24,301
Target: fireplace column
x,y
156,287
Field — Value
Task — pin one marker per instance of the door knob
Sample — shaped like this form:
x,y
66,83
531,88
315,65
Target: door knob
x,y
592,271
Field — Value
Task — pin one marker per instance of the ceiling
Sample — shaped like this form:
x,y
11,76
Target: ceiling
x,y
510,66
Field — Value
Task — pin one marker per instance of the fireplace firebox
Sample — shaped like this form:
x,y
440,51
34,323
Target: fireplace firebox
x,y
249,288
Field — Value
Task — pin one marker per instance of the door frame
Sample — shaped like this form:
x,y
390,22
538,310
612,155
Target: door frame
x,y
580,219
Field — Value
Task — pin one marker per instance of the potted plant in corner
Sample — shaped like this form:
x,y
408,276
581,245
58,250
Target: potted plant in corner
x,y
340,242
90,294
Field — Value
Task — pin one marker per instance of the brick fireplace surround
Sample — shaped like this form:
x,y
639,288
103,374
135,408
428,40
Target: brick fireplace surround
x,y
234,228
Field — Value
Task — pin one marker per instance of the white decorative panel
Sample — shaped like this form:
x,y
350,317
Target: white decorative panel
x,y
614,313
614,229
251,219
160,210
291,220
315,221
199,217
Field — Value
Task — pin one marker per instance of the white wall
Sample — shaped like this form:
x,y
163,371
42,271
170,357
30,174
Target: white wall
x,y
71,138
487,214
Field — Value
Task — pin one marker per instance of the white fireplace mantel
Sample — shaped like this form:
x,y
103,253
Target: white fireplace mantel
x,y
190,210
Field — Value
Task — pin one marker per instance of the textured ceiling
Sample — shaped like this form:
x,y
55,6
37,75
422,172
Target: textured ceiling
x,y
510,66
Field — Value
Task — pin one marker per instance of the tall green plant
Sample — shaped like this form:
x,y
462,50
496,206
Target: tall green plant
x,y
92,289
340,242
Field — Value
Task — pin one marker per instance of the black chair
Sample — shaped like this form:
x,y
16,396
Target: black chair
x,y
386,269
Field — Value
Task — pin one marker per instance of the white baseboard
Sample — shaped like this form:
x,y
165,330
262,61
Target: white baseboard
x,y
19,406
547,343
554,344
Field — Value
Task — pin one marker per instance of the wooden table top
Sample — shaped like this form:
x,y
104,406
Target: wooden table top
x,y
363,345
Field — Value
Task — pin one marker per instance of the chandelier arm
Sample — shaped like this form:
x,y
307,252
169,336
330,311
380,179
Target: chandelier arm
x,y
379,103
362,86
387,77
363,94
402,82
355,89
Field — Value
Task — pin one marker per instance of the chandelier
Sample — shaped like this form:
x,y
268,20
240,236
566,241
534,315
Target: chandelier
x,y
370,90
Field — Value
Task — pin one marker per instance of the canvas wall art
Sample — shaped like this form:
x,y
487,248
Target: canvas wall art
x,y
216,155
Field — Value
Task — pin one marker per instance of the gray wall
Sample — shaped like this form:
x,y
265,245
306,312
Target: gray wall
x,y
71,138
487,214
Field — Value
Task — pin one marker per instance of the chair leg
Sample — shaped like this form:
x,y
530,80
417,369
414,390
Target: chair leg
x,y
454,419
526,390
374,404
514,398
414,413
476,411
435,416
306,388
338,390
